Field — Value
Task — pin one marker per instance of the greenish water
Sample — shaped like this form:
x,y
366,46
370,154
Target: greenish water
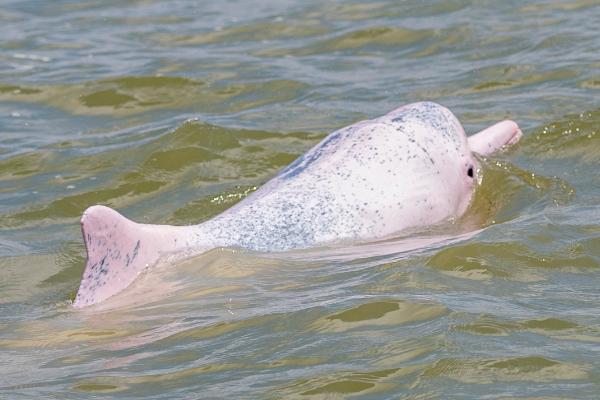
x,y
173,111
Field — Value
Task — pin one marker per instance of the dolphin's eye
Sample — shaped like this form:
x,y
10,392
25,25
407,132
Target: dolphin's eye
x,y
470,172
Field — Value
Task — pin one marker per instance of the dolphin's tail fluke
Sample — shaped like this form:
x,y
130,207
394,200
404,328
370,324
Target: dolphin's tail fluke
x,y
118,249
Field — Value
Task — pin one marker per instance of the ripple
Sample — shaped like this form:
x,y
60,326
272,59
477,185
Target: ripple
x,y
561,5
373,10
257,32
378,37
348,383
529,368
505,260
492,326
592,83
575,136
97,388
389,313
501,78
138,94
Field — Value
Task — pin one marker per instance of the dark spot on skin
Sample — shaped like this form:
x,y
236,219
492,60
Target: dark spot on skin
x,y
135,251
470,172
304,161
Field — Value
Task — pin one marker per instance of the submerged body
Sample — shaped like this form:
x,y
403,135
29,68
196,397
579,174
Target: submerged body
x,y
412,167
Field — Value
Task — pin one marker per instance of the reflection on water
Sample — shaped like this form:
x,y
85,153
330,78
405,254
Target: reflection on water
x,y
173,112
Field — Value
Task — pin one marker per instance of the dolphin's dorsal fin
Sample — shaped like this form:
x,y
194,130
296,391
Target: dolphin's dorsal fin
x,y
118,249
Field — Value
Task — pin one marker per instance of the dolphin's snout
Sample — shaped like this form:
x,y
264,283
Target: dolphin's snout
x,y
495,138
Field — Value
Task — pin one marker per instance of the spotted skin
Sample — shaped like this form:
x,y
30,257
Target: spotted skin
x,y
412,167
361,182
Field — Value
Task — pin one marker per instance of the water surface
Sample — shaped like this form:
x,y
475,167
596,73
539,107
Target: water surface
x,y
172,112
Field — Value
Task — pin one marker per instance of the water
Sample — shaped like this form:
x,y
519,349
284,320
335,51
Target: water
x,y
172,112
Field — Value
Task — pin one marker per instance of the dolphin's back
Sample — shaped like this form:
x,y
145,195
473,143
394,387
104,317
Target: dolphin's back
x,y
365,181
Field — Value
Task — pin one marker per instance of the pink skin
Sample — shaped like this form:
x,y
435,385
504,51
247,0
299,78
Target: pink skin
x,y
112,240
119,249
490,140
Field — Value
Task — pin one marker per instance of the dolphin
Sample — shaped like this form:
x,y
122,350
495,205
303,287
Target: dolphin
x,y
411,168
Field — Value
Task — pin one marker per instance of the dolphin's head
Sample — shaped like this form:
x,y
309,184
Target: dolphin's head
x,y
447,165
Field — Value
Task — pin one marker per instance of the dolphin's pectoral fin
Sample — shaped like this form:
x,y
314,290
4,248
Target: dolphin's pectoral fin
x,y
117,251
495,138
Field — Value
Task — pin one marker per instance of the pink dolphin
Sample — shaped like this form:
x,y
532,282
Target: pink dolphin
x,y
410,168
